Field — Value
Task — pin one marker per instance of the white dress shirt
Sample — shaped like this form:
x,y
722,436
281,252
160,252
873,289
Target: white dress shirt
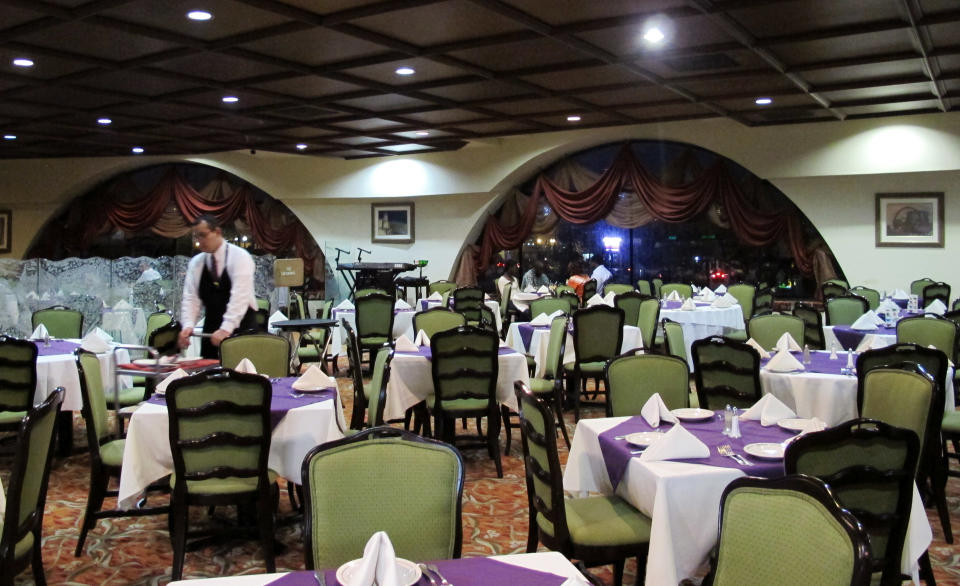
x,y
240,267
602,275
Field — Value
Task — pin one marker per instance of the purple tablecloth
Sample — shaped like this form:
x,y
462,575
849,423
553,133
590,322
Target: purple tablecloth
x,y
427,353
462,572
526,333
617,453
56,347
282,400
820,362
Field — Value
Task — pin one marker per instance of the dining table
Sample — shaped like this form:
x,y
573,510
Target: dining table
x,y
300,421
534,340
402,326
492,304
702,322
682,497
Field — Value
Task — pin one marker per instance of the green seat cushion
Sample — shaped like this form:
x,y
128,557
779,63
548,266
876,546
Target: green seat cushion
x,y
23,547
308,354
130,396
374,341
951,422
112,452
606,520
459,405
589,368
229,485
738,335
541,385
12,416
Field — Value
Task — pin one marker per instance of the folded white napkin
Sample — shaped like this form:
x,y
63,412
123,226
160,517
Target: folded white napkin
x,y
760,349
595,300
161,387
720,290
314,378
530,289
403,344
541,320
543,289
435,296
122,305
246,366
673,296
888,305
936,306
40,333
422,339
379,563
678,443
688,305
655,410
345,304
900,294
783,361
401,304
727,300
786,342
94,342
867,322
277,316
768,410
707,295
609,297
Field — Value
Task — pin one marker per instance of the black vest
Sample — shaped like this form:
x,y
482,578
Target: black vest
x,y
215,294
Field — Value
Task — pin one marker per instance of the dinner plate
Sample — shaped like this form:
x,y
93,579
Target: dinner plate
x,y
407,572
315,390
692,414
798,424
644,438
765,451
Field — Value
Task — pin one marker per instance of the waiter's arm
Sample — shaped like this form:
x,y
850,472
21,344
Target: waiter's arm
x,y
190,301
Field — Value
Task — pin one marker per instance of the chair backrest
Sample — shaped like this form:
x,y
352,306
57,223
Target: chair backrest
x,y
468,301
838,281
94,407
263,303
745,294
154,321
556,345
296,307
916,287
871,295
589,290
504,301
813,325
631,379
869,467
165,338
933,331
353,357
374,315
830,289
597,333
644,287
673,341
648,317
725,371
219,428
629,302
441,287
682,289
825,544
657,284
389,480
18,374
326,306
933,291
767,329
59,321
370,290
571,298
378,386
464,368
26,487
269,353
548,305
437,319
843,310
616,288
763,300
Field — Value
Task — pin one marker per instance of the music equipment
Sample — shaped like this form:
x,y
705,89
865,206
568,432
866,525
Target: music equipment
x,y
379,275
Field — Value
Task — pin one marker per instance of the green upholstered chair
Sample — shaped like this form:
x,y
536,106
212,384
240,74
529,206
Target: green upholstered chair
x,y
374,313
869,467
830,289
648,317
353,361
106,451
941,333
18,380
813,326
843,310
269,353
645,288
682,289
933,291
21,542
313,342
564,289
597,337
726,372
631,379
437,319
548,305
616,288
871,295
826,545
571,298
59,321
745,294
673,342
767,329
955,305
838,281
465,366
916,287
220,442
165,340
296,308
441,287
368,291
376,390
657,284
468,301
263,303
589,290
629,302
154,321
762,301
597,529
389,480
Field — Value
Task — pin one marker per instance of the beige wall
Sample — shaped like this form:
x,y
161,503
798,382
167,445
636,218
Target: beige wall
x,y
831,170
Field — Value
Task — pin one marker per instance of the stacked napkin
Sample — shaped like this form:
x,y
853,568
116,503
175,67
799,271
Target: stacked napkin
x,y
756,346
768,410
379,563
783,361
401,304
676,444
609,297
161,387
900,294
122,305
867,322
595,300
727,300
673,296
246,366
403,344
721,290
345,304
277,316
313,379
422,339
936,306
786,342
435,296
543,289
655,410
40,333
96,341
887,305
688,305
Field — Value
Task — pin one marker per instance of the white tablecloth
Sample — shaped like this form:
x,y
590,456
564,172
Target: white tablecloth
x,y
492,305
402,325
411,381
704,322
60,370
683,500
540,339
147,457
879,340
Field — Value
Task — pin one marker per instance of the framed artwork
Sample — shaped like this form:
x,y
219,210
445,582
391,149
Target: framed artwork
x,y
392,222
910,219
5,224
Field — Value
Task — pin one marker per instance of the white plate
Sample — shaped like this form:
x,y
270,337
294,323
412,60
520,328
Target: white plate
x,y
145,361
407,572
692,414
317,390
644,438
765,451
799,424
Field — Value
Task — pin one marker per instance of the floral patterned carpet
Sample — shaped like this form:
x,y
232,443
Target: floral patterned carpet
x,y
138,551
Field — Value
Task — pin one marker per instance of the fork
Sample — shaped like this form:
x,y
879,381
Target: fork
x,y
426,572
726,450
436,570
320,577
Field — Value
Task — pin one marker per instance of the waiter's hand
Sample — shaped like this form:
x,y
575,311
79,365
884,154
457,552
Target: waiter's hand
x,y
183,340
219,336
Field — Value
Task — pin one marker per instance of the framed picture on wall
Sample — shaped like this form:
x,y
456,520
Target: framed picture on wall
x,y
910,219
5,217
392,222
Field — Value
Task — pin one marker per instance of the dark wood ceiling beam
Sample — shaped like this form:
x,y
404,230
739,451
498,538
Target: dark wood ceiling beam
x,y
921,40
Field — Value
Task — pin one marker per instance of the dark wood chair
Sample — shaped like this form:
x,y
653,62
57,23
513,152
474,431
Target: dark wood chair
x,y
725,371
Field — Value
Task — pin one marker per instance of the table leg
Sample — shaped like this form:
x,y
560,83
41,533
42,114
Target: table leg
x,y
65,434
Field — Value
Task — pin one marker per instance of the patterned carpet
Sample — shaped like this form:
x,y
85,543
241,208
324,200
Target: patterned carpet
x,y
138,551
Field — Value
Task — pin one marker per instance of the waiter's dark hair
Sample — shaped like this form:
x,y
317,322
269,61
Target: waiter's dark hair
x,y
211,221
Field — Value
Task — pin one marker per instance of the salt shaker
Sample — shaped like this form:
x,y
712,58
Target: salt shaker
x,y
806,353
727,420
833,351
735,424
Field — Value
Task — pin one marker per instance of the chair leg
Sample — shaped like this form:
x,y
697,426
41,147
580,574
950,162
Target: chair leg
x,y
179,520
941,500
505,414
265,521
37,563
493,440
533,532
578,381
618,573
926,570
558,408
95,497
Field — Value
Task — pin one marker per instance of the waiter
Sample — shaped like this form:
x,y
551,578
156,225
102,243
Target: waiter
x,y
220,279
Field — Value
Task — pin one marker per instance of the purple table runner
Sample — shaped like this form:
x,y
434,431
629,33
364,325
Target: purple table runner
x,y
462,572
526,333
850,338
820,362
427,353
56,347
617,453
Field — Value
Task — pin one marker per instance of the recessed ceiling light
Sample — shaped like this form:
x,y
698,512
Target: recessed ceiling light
x,y
653,35
230,99
199,15
763,101
405,71
23,62
423,133
301,146
104,121
9,137
573,118
137,150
